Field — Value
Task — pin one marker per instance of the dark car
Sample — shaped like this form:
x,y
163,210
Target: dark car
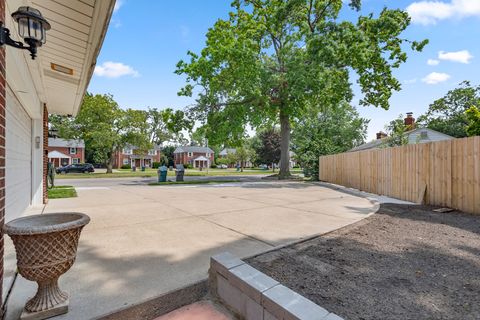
x,y
76,168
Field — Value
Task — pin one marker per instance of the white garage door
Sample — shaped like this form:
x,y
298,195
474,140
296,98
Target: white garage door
x,y
18,172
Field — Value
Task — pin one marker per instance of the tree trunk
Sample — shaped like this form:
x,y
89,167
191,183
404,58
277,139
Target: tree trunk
x,y
284,146
109,164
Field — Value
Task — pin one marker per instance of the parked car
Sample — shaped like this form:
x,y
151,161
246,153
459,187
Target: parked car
x,y
263,167
222,166
77,168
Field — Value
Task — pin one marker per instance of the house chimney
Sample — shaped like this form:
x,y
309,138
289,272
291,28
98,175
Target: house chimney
x,y
410,121
381,135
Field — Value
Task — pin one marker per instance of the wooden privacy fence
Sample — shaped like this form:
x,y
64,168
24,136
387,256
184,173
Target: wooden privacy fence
x,y
444,173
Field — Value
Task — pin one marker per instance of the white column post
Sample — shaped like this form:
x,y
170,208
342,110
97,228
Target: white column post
x,y
37,162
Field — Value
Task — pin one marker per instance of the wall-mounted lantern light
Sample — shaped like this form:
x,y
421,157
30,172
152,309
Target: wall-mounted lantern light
x,y
32,27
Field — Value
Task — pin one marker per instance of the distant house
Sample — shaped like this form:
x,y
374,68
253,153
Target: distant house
x,y
225,152
198,157
62,152
414,136
132,156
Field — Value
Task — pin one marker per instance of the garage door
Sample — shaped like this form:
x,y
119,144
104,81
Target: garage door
x,y
18,158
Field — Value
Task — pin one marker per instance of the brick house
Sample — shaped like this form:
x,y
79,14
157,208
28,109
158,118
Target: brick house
x,y
62,152
131,155
198,157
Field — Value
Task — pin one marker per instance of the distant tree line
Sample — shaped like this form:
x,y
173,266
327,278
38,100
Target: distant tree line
x,y
107,128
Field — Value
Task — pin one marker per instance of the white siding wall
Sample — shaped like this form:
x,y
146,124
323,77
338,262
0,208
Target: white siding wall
x,y
432,136
18,173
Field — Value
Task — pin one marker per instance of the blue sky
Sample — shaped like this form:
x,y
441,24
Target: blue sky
x,y
147,38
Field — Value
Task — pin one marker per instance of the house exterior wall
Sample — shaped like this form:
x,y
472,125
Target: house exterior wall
x,y
185,158
18,158
80,154
433,135
120,157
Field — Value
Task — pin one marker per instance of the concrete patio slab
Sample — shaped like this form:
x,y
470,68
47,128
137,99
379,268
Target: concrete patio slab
x,y
144,241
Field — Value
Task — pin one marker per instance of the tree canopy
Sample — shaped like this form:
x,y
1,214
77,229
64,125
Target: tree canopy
x,y
106,128
272,59
266,145
337,129
396,130
473,118
448,114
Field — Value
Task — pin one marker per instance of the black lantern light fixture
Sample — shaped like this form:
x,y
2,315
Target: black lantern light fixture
x,y
32,27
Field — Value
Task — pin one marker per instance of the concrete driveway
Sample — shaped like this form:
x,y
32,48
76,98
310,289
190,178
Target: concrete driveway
x,y
144,240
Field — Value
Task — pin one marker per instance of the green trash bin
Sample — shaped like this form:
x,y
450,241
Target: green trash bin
x,y
162,174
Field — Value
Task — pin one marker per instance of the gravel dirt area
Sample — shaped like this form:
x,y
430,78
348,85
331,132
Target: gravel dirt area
x,y
405,262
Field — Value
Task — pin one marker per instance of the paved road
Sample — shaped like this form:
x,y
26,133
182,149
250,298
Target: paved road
x,y
113,182
143,241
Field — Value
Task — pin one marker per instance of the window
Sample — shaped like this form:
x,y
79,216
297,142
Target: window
x,y
126,161
190,154
208,155
73,150
127,151
152,152
75,160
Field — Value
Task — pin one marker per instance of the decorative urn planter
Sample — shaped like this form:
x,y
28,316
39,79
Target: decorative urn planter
x,y
46,247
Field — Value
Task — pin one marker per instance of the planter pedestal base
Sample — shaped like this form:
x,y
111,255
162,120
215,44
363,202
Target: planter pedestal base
x,y
40,315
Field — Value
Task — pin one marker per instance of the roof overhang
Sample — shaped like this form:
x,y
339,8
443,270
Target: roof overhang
x,y
64,65
57,155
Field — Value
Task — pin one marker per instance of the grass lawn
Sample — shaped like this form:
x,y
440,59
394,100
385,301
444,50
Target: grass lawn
x,y
148,173
60,192
192,182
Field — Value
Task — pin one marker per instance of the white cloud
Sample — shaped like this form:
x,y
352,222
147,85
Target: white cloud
x,y
436,77
430,12
110,69
118,5
459,56
410,81
433,62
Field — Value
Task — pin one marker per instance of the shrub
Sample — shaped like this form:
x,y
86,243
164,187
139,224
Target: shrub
x,y
126,166
213,166
156,165
188,166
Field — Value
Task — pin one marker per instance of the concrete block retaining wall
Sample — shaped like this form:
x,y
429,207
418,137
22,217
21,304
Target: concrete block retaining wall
x,y
252,295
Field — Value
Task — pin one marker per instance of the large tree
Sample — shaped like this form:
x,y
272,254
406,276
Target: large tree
x,y
448,114
272,58
335,130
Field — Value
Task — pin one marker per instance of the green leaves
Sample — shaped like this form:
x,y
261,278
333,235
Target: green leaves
x,y
473,118
334,130
396,130
289,56
448,114
106,128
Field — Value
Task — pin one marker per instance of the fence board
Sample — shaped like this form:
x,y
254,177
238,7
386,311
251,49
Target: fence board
x,y
448,171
